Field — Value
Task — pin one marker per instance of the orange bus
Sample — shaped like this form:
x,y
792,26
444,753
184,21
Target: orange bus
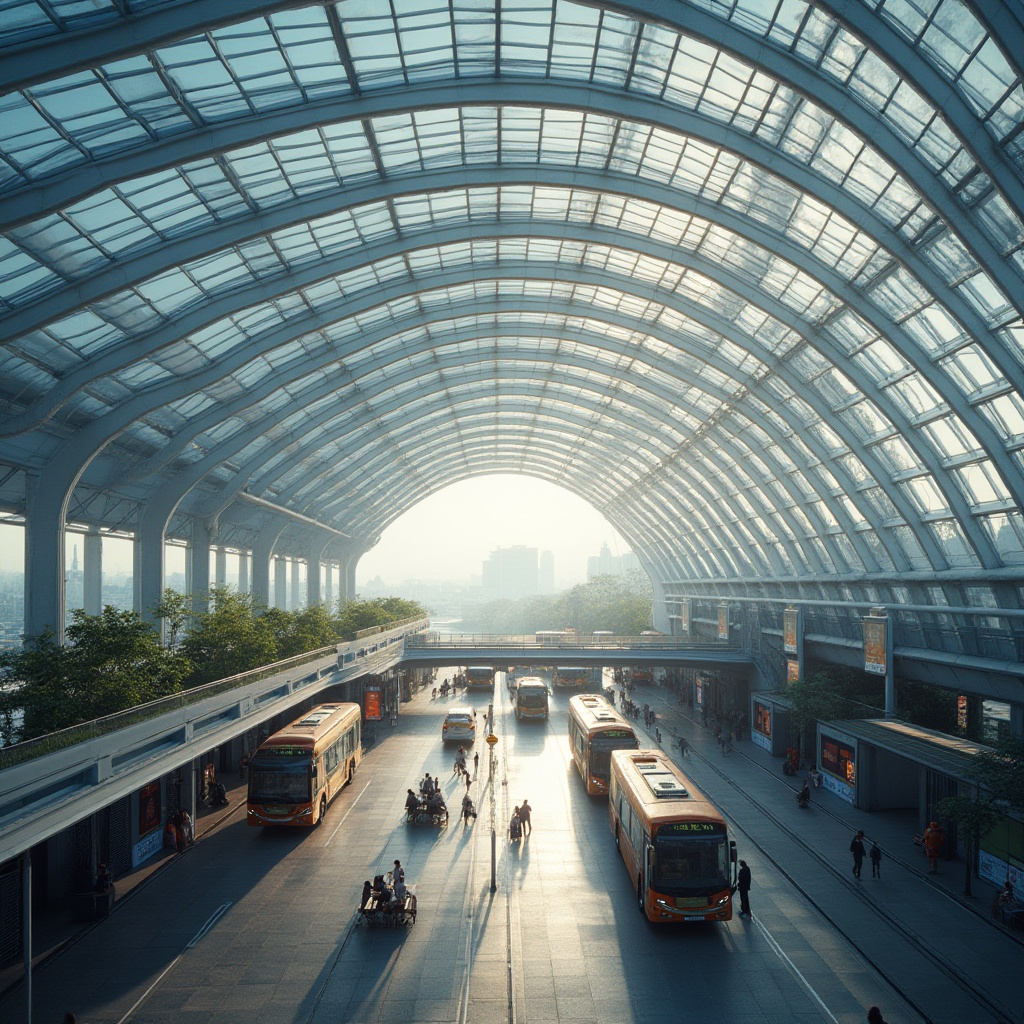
x,y
595,730
480,677
298,771
572,677
673,840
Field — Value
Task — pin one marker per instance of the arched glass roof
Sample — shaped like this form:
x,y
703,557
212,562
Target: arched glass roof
x,y
748,277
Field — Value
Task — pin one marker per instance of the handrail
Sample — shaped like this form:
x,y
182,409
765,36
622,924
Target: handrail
x,y
529,642
27,750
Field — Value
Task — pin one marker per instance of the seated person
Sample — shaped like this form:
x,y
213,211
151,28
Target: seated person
x,y
436,804
218,794
427,785
367,893
804,796
382,889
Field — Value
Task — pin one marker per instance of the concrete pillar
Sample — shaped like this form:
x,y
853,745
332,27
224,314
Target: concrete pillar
x,y
295,591
350,576
280,583
313,580
92,572
243,572
199,558
328,585
262,563
44,557
220,573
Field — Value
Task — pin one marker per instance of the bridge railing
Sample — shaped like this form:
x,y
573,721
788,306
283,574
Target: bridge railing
x,y
472,641
17,753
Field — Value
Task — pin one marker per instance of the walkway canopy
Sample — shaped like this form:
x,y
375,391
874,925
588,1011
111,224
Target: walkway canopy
x,y
748,277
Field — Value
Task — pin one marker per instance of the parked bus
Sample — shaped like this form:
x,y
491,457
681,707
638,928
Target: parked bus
x,y
299,770
557,636
480,677
595,730
531,698
673,840
572,677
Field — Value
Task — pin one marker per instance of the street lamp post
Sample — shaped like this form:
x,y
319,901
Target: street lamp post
x,y
492,741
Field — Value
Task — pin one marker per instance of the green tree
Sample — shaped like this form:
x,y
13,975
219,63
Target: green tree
x,y
357,615
307,630
228,638
974,816
108,663
814,699
176,611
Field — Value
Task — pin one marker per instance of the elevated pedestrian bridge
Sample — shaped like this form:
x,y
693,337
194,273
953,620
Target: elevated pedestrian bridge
x,y
49,783
434,649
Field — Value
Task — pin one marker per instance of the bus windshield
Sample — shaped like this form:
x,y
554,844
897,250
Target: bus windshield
x,y
694,865
532,698
274,780
601,747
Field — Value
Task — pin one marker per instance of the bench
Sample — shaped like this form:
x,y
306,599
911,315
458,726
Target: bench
x,y
377,914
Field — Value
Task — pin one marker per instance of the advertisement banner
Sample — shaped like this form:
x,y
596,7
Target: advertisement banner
x,y
372,704
838,761
149,809
723,622
792,670
789,620
874,645
684,615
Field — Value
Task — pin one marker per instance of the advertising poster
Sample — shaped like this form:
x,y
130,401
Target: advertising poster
x,y
838,762
372,704
874,646
792,670
723,622
789,619
684,614
761,733
149,808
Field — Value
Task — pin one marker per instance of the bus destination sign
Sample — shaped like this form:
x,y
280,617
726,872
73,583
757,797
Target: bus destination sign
x,y
617,734
691,827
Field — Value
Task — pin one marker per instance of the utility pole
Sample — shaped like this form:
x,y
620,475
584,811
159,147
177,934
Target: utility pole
x,y
492,741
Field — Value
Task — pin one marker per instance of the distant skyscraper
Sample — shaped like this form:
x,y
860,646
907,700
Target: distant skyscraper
x,y
510,573
607,564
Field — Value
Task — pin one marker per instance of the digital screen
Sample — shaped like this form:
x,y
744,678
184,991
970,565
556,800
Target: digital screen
x,y
617,734
371,703
838,758
691,827
287,752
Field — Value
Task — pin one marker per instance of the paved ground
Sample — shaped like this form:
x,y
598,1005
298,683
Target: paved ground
x,y
254,925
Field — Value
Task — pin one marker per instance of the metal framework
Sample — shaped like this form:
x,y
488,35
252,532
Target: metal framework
x,y
749,278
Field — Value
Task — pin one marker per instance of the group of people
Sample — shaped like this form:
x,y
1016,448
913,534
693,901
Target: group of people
x,y
430,799
520,823
386,891
179,832
447,686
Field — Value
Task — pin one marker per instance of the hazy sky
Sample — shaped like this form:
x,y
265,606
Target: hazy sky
x,y
447,536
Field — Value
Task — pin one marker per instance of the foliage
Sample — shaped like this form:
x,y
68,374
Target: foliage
x,y
357,615
176,611
621,604
1001,773
109,662
228,638
974,817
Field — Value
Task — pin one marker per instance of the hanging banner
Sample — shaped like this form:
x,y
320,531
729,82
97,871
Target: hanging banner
x,y
684,615
874,645
723,622
372,704
792,670
789,621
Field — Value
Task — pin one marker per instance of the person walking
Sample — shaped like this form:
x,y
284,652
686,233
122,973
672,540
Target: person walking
x,y
743,884
857,849
398,872
476,764
875,1016
525,810
876,860
933,838
684,745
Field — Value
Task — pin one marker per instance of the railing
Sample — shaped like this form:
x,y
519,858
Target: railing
x,y
529,642
18,753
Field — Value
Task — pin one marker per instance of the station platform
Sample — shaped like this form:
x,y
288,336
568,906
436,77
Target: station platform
x,y
561,941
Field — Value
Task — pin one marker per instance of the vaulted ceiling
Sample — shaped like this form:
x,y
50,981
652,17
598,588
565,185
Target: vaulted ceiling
x,y
747,277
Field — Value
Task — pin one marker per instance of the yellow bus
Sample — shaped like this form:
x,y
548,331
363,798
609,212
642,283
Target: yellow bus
x,y
673,840
480,677
531,698
595,730
299,770
572,677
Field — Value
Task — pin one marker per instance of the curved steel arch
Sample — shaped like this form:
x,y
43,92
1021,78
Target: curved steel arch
x,y
784,315
722,365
